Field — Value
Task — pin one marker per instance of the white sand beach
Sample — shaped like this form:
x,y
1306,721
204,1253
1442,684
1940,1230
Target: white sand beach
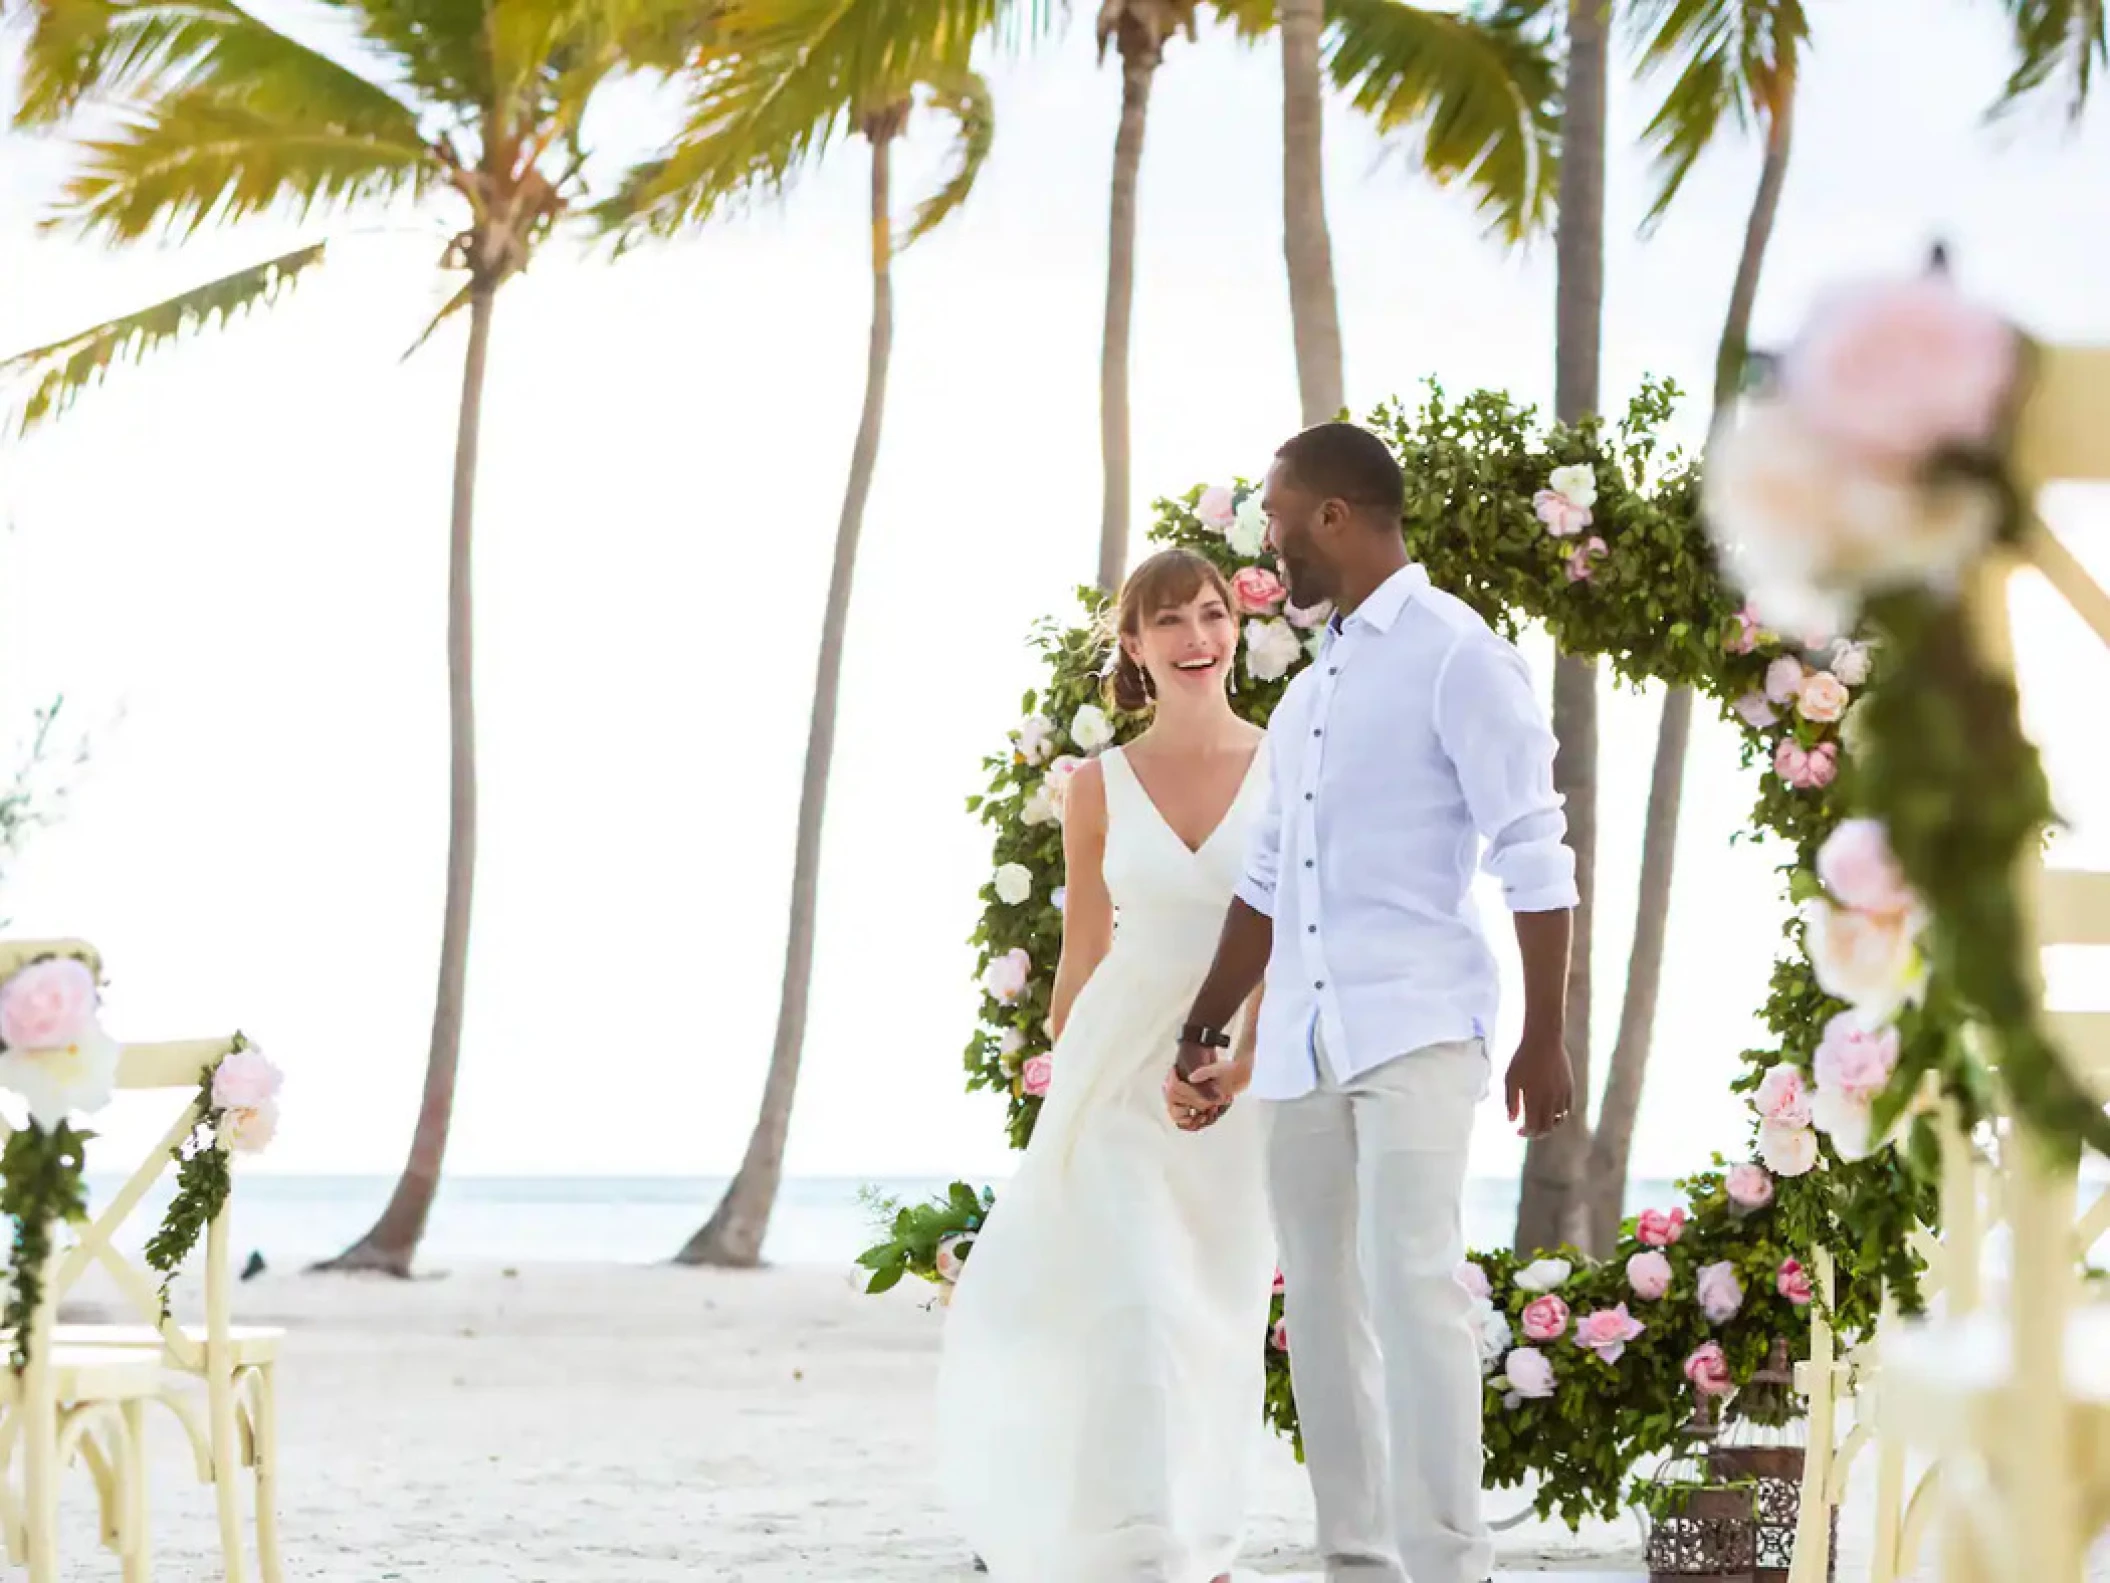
x,y
574,1424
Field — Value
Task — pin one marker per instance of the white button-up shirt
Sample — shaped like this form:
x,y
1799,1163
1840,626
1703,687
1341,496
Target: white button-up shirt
x,y
1413,737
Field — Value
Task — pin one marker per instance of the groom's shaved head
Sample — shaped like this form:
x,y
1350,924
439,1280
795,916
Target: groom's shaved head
x,y
1339,461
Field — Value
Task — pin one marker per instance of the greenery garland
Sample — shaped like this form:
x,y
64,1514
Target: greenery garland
x,y
1594,532
203,1179
41,1186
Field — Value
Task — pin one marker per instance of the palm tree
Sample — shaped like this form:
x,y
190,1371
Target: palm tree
x,y
2055,41
769,98
1139,31
1474,94
1547,1204
220,117
1736,60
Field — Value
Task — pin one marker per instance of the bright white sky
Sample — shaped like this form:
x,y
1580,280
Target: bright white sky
x,y
243,550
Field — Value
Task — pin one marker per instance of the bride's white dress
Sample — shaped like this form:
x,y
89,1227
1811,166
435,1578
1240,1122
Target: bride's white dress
x,y
1100,1392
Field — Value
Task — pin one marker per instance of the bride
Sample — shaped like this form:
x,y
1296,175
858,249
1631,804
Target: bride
x,y
1100,1390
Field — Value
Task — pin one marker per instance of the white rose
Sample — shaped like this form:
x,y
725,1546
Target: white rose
x,y
1009,1043
1039,807
1090,729
1271,648
1035,737
1248,530
1853,731
1014,883
1543,1275
1851,662
1786,1150
1807,531
1491,1329
74,1079
1870,960
1575,481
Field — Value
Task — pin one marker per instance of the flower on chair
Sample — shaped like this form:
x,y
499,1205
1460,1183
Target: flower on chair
x,y
53,1051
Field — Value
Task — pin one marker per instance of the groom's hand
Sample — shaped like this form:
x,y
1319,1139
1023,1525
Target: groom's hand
x,y
1540,1085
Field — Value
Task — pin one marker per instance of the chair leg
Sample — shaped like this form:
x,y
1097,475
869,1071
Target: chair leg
x,y
226,1469
1883,1558
264,1407
40,1478
138,1552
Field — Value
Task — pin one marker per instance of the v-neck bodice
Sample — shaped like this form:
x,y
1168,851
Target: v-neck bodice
x,y
1155,881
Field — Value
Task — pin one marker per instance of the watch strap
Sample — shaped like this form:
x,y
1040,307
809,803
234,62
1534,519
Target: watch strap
x,y
1208,1038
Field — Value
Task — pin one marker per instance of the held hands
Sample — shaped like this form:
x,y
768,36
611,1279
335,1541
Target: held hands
x,y
1200,1088
1540,1086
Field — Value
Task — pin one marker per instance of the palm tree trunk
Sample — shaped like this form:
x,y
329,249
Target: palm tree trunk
x,y
1140,54
733,1236
1314,308
1612,1146
393,1242
1549,1204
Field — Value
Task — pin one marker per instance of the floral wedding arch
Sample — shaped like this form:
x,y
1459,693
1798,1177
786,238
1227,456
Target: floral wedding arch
x,y
1596,533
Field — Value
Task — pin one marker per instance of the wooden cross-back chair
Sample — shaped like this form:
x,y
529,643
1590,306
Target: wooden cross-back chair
x,y
235,1365
2010,1395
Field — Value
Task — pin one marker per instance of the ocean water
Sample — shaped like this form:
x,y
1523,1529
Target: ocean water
x,y
293,1220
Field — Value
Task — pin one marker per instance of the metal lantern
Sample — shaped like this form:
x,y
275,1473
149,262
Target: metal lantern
x,y
1764,1445
1702,1529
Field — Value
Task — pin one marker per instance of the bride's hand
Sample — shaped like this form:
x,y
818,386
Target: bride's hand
x,y
1190,1106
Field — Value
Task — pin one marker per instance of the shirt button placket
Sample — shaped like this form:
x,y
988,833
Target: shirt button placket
x,y
1308,838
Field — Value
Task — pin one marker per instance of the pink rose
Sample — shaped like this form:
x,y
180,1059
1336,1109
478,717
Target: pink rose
x,y
1474,1280
1750,1186
1648,1273
1806,770
1545,1318
1756,711
1580,558
1859,869
1035,1075
1279,1283
1317,616
1060,770
1258,590
1745,638
1794,1283
1784,678
1823,697
1870,960
1279,1337
245,1079
1721,1294
1562,516
1217,507
1607,1331
47,1005
1659,1230
1853,1061
1006,976
1900,370
1783,1097
1529,1374
1708,1370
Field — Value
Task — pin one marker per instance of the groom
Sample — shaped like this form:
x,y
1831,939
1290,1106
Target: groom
x,y
1412,741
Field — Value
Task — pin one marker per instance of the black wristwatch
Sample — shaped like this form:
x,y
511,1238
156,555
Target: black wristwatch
x,y
1208,1038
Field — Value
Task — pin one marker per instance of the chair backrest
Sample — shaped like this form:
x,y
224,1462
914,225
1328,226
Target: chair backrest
x,y
180,1067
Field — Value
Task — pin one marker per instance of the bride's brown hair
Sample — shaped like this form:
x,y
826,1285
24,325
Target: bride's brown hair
x,y
1166,581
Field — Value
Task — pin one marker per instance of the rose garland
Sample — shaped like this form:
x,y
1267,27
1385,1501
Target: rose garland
x,y
237,1114
1595,532
55,1054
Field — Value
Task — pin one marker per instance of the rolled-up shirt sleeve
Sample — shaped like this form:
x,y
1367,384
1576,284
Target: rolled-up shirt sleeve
x,y
1263,852
1490,723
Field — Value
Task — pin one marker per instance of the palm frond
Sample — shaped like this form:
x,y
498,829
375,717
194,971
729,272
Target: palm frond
x,y
453,305
781,80
2056,40
1251,20
1732,59
198,156
59,373
438,47
1480,91
133,49
963,95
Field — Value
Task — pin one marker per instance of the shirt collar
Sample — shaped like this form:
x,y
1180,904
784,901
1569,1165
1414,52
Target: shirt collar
x,y
1386,601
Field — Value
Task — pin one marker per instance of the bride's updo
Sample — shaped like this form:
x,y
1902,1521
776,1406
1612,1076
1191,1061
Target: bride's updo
x,y
1166,581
